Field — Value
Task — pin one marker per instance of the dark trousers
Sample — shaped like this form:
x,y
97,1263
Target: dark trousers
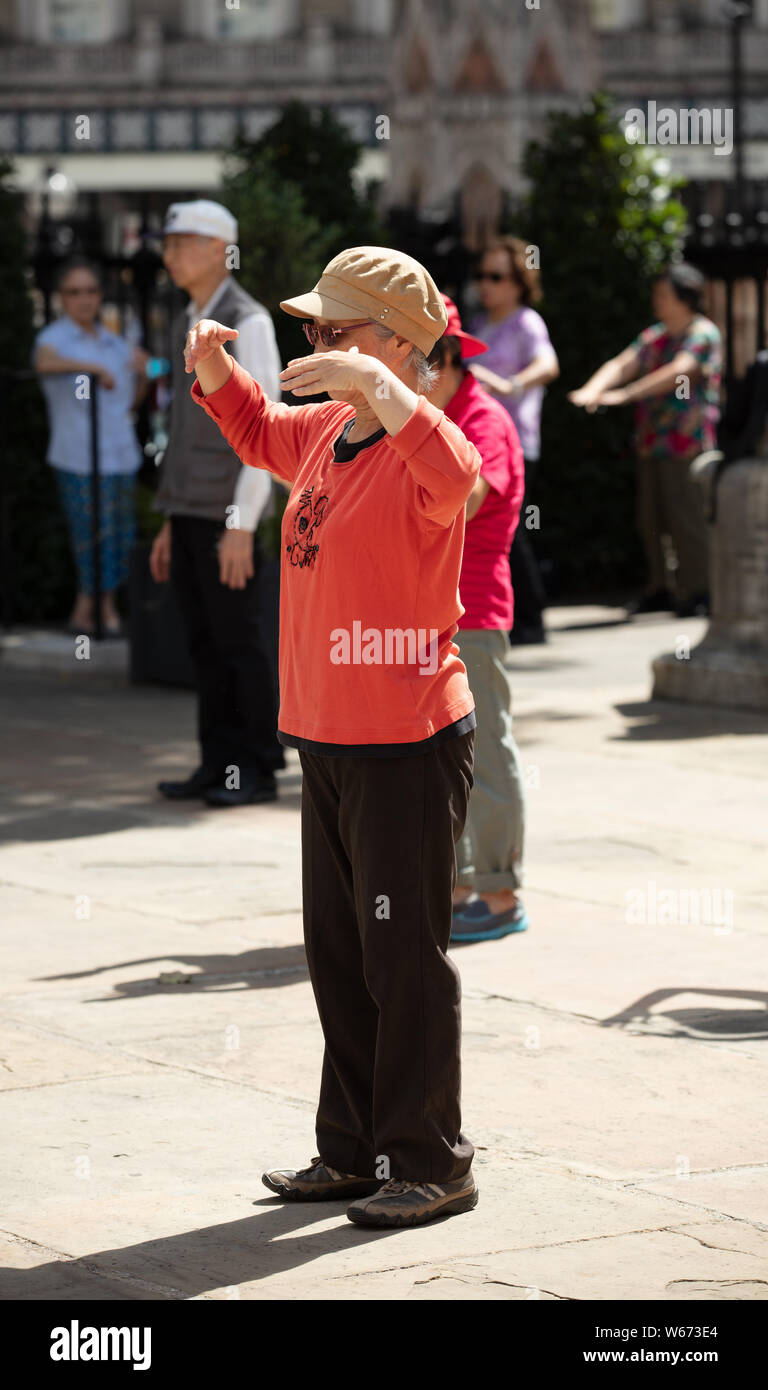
x,y
237,707
671,503
379,868
530,598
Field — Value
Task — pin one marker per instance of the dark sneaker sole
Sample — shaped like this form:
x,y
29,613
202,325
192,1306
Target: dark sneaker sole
x,y
453,1208
337,1192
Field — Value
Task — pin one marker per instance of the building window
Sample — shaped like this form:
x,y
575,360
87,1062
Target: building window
x,y
373,16
71,21
255,19
617,14
670,16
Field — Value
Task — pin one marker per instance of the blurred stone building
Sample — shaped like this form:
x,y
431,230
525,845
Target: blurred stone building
x,y
471,81
164,85
470,86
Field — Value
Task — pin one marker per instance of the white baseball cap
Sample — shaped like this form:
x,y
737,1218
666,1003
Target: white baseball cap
x,y
203,217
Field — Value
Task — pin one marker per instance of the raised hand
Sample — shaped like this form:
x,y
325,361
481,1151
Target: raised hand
x,y
344,375
203,340
586,397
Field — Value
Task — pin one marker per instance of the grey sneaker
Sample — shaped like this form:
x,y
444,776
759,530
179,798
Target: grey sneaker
x,y
401,1203
318,1183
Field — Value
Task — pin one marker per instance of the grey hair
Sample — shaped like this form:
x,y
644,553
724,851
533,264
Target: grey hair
x,y
426,375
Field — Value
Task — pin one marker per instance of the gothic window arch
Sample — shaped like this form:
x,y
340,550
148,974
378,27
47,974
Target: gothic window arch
x,y
478,71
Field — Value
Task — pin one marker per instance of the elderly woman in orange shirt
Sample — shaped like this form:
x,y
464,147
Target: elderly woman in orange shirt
x,y
375,698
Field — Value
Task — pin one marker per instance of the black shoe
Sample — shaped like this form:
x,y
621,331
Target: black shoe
x,y
319,1183
660,601
527,635
255,787
196,785
697,606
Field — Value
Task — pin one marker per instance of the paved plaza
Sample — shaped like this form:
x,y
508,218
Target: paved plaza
x,y
159,1046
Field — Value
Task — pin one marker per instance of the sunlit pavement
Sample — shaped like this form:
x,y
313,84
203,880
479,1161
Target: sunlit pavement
x,y
159,1047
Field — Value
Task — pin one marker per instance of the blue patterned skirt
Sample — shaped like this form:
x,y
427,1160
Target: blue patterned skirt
x,y
117,529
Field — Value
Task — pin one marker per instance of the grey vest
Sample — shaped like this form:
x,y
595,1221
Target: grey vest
x,y
199,470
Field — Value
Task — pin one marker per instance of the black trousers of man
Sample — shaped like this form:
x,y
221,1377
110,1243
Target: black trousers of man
x,y
379,868
527,585
237,705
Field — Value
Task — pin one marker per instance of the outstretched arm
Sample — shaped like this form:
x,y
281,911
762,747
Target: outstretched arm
x,y
542,369
612,374
443,465
204,354
658,383
263,433
358,375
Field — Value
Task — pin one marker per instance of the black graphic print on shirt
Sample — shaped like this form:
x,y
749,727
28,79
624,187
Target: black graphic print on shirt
x,y
303,548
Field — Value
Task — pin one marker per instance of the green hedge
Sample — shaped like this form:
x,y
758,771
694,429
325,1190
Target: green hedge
x,y
603,215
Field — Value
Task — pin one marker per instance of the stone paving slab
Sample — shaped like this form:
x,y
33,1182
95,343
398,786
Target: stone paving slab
x,y
177,1151
158,1053
741,1192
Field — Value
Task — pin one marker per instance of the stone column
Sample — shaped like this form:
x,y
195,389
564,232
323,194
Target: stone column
x,y
730,666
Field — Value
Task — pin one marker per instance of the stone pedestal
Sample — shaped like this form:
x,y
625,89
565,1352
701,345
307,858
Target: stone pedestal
x,y
730,665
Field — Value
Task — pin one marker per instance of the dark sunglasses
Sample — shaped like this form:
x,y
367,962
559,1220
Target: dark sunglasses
x,y
328,336
494,275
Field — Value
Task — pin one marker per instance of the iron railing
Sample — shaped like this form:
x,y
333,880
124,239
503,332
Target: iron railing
x,y
7,379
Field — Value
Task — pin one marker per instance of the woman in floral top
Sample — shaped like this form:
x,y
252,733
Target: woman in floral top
x,y
672,374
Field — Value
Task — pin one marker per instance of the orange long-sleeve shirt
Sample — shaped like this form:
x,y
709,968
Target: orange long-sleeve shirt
x,y
371,556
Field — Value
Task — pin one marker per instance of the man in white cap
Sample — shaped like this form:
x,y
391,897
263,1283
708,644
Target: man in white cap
x,y
213,504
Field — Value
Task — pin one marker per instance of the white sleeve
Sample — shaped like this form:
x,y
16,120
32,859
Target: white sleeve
x,y
253,490
256,349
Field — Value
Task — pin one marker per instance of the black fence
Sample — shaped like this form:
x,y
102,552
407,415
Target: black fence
x,y
7,379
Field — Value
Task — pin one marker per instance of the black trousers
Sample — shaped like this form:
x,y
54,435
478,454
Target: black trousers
x,y
530,597
237,707
379,868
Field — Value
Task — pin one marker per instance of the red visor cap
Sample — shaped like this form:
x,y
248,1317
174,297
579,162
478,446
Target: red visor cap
x,y
470,347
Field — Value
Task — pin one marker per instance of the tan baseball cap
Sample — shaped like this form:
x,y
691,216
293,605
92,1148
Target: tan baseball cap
x,y
378,283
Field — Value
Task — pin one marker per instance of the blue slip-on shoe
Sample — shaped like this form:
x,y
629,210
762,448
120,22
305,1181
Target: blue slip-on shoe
x,y
477,923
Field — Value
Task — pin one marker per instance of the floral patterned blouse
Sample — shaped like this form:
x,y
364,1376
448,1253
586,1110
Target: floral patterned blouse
x,y
684,420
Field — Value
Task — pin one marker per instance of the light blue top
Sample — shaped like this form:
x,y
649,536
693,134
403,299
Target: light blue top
x,y
69,416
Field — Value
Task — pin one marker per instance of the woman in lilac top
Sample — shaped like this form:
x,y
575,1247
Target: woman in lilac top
x,y
519,363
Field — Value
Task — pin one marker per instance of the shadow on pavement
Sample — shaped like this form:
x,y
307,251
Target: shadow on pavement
x,y
593,626
72,822
84,759
706,1022
264,967
670,719
195,1262
513,664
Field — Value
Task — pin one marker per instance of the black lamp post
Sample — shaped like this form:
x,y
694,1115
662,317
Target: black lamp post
x,y
54,232
736,12
736,248
44,258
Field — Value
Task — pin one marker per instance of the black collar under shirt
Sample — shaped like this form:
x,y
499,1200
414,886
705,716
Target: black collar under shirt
x,y
343,452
